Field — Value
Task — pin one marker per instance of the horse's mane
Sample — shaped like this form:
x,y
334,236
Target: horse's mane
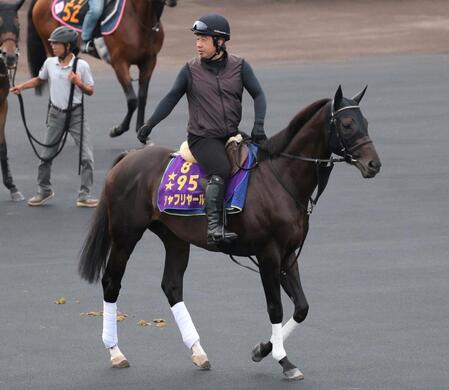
x,y
278,142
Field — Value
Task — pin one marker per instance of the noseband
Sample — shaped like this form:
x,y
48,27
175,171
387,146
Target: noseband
x,y
343,149
10,72
324,166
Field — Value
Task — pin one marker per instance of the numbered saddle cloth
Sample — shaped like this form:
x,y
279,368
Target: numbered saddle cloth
x,y
180,191
71,13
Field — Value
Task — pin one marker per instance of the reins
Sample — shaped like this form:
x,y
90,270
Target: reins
x,y
323,169
283,271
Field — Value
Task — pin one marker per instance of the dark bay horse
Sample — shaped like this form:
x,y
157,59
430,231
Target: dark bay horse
x,y
9,38
273,224
137,41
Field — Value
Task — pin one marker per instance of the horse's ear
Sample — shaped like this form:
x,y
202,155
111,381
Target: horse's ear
x,y
338,98
359,96
19,4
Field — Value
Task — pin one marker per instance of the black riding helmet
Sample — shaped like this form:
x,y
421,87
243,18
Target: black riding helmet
x,y
67,36
214,25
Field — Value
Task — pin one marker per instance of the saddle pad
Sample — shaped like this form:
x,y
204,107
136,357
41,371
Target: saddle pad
x,y
71,13
180,191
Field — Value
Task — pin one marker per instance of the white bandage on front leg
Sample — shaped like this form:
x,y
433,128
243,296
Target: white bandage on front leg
x,y
278,351
185,324
109,324
288,328
197,349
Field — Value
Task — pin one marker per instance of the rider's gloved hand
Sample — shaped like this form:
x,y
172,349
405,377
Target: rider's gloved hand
x,y
143,133
258,133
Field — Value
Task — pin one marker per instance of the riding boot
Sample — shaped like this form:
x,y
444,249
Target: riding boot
x,y
7,177
216,232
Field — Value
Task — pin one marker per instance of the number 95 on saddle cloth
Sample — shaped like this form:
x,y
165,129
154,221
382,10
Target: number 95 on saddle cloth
x,y
180,192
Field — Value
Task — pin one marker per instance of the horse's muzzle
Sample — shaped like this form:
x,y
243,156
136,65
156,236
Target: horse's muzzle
x,y
367,160
370,169
11,61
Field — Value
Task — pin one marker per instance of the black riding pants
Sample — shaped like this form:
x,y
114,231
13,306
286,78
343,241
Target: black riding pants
x,y
211,155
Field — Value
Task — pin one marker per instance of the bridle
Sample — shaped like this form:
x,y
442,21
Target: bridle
x,y
342,149
10,72
323,167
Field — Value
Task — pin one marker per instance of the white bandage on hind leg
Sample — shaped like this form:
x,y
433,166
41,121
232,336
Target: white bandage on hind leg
x,y
278,351
109,324
185,324
288,328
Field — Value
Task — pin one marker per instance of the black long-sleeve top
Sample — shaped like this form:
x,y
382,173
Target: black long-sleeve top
x,y
179,88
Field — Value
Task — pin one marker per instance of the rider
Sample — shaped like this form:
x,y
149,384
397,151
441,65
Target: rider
x,y
58,70
214,83
89,23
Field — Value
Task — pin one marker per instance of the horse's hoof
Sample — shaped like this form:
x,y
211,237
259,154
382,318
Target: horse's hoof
x,y
116,131
119,362
260,351
17,196
293,375
201,361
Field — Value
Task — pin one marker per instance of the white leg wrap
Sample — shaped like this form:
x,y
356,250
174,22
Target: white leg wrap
x,y
288,328
109,324
115,352
278,352
197,349
185,324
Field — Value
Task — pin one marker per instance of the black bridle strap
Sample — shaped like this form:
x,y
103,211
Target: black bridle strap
x,y
331,160
15,40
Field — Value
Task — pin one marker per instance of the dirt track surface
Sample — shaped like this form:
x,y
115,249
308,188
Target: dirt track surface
x,y
315,31
287,31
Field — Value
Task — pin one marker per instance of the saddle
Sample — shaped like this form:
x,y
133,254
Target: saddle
x,y
71,13
236,150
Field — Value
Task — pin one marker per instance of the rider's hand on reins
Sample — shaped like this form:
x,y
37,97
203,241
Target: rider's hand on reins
x,y
258,133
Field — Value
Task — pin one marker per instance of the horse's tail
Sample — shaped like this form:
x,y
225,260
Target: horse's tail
x,y
96,248
35,48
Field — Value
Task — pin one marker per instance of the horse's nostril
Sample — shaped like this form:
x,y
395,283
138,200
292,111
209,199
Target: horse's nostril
x,y
374,164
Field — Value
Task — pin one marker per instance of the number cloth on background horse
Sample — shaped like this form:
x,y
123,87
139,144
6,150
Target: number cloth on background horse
x,y
136,41
9,54
272,225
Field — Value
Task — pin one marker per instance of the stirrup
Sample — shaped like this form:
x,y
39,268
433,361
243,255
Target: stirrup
x,y
225,237
88,47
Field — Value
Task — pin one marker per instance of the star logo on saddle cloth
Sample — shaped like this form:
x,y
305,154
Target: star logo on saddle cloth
x,y
180,192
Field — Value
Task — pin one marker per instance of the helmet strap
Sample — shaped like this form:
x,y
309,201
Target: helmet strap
x,y
219,47
66,52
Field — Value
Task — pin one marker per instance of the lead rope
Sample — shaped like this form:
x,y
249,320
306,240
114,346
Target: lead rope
x,y
65,132
81,135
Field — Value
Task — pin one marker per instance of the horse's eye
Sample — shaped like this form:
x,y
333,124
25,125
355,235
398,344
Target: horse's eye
x,y
346,123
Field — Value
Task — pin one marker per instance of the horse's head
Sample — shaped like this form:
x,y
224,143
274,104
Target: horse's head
x,y
349,134
9,33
